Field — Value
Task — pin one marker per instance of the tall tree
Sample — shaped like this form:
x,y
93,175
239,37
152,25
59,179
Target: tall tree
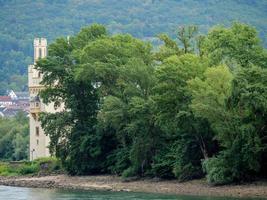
x,y
72,130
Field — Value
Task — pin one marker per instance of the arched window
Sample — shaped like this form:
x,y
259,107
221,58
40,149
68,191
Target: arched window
x,y
37,131
40,53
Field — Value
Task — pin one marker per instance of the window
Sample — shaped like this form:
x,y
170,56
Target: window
x,y
37,104
39,74
40,53
37,131
37,142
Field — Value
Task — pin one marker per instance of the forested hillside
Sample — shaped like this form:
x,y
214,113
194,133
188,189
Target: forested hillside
x,y
21,21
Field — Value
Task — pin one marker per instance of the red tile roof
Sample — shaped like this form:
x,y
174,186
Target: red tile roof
x,y
5,98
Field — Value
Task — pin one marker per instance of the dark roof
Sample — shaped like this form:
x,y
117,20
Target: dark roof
x,y
7,112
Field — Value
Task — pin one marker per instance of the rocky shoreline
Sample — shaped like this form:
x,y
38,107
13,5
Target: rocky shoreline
x,y
114,183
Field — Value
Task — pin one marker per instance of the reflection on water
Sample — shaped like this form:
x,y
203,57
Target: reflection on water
x,y
17,193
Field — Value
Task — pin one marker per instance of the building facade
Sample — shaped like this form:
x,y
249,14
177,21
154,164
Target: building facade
x,y
38,140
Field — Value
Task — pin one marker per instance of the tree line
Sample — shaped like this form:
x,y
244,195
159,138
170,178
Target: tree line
x,y
194,107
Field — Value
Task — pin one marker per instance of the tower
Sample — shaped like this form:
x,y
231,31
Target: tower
x,y
38,140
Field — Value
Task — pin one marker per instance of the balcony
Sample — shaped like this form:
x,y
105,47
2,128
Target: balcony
x,y
35,105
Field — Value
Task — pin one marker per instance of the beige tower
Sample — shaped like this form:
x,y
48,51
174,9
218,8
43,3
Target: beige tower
x,y
38,140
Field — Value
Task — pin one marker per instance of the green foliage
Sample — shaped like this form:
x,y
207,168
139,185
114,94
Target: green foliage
x,y
163,163
73,130
181,112
130,172
210,95
14,137
118,161
236,45
6,170
28,169
186,36
218,172
236,163
48,165
41,166
234,104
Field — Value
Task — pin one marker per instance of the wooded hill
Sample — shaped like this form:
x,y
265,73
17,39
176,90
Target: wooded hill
x,y
21,21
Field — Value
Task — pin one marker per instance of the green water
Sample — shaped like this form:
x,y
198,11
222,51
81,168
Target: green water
x,y
17,193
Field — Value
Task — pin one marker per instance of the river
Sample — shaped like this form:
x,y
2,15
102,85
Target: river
x,y
19,193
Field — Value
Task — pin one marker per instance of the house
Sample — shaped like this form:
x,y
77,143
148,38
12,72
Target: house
x,y
13,103
6,101
18,95
10,111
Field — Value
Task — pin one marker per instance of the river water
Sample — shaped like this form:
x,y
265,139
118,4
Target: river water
x,y
19,193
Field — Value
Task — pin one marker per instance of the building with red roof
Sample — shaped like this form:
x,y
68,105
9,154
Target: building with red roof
x,y
6,100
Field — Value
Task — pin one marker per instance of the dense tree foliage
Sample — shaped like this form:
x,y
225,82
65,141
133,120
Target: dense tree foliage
x,y
14,138
23,20
173,113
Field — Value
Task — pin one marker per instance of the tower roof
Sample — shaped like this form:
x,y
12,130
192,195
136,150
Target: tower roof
x,y
40,42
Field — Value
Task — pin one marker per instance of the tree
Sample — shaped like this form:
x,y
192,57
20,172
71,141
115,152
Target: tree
x,y
122,68
187,138
73,130
238,44
219,99
186,35
188,42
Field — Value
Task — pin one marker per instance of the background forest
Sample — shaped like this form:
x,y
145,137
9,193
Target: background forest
x,y
23,20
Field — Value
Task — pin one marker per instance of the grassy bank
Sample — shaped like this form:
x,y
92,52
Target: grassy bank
x,y
41,166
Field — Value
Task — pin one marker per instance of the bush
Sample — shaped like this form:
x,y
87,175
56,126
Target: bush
x,y
130,172
49,164
218,173
7,170
187,172
118,161
38,166
162,166
28,169
187,161
237,163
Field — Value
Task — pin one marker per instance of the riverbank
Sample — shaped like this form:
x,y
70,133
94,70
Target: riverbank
x,y
113,183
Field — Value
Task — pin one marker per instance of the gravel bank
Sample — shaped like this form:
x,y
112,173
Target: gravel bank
x,y
113,183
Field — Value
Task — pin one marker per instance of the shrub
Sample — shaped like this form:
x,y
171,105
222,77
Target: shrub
x,y
162,166
118,161
28,169
130,172
187,172
48,165
218,172
237,163
7,170
38,166
187,164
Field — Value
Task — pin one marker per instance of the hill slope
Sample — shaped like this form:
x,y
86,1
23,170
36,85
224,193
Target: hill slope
x,y
21,21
